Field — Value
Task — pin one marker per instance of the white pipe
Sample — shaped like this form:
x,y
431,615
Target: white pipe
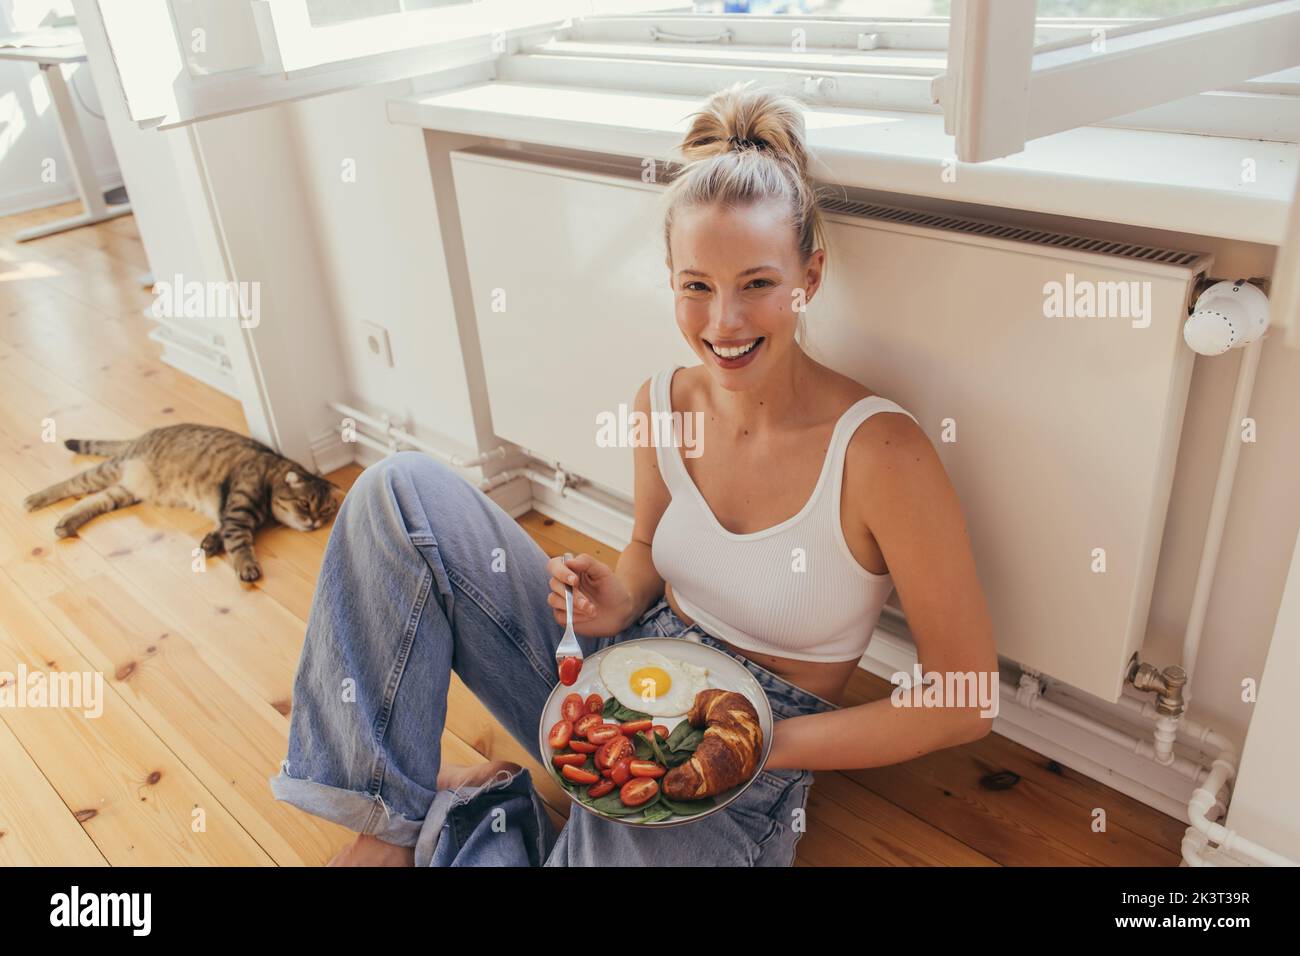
x,y
363,439
462,462
1206,800
548,481
1194,842
566,492
1034,701
360,416
398,435
1190,731
1242,394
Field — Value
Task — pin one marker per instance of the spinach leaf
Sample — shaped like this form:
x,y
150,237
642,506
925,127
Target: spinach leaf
x,y
657,812
678,734
675,758
654,745
613,710
689,741
612,804
644,751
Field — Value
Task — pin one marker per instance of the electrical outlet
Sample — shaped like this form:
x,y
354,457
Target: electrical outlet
x,y
376,343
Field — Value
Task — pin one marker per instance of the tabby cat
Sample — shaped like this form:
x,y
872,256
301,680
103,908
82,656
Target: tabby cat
x,y
238,482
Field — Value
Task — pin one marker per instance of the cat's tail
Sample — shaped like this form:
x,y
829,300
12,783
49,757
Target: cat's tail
x,y
93,446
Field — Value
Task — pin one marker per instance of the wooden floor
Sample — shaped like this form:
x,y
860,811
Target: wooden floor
x,y
198,669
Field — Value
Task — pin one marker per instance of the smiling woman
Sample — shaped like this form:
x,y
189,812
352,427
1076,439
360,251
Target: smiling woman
x,y
817,497
773,542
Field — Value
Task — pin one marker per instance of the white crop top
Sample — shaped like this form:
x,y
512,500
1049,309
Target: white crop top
x,y
747,589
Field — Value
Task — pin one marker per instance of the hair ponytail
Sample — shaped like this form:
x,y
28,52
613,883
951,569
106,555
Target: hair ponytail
x,y
747,145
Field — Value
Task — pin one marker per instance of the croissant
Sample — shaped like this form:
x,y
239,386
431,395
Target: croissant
x,y
727,755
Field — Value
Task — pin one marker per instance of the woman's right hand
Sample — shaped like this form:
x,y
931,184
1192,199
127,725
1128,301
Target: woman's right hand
x,y
602,604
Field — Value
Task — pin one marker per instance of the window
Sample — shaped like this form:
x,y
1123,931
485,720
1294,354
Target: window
x,y
182,60
887,55
1003,87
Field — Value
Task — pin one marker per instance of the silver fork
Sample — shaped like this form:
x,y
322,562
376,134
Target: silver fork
x,y
569,643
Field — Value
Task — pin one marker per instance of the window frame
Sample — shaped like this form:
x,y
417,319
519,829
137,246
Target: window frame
x,y
1000,91
1265,108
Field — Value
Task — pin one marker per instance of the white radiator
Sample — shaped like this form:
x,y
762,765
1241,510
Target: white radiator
x,y
1066,427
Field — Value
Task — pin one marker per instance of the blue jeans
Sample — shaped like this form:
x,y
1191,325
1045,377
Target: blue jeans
x,y
425,575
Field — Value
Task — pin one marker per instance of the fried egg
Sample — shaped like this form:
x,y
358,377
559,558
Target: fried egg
x,y
647,681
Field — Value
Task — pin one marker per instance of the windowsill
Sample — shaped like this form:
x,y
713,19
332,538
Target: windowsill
x,y
1172,181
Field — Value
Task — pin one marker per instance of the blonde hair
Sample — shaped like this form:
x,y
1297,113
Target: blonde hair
x,y
747,145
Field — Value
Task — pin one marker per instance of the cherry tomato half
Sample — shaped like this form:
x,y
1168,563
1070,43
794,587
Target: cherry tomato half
x,y
565,760
636,791
600,789
632,726
595,703
646,768
560,734
661,730
581,746
613,749
578,775
600,733
621,771
585,723
572,708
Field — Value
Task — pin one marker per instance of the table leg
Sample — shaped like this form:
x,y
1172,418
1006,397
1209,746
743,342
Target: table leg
x,y
83,169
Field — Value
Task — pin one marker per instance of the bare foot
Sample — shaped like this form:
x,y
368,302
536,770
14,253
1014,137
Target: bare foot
x,y
367,850
453,775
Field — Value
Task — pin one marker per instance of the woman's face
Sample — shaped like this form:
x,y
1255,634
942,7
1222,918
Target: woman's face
x,y
737,283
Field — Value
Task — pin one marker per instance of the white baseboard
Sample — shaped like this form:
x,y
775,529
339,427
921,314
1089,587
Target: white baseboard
x,y
514,497
186,361
330,452
578,515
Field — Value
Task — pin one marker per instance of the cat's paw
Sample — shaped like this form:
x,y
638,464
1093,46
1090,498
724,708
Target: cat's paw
x,y
212,544
32,502
249,572
65,530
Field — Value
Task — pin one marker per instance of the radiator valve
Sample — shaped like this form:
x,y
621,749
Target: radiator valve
x,y
1168,685
1227,315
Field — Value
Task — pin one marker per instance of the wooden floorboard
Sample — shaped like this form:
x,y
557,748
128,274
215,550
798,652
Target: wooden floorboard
x,y
198,667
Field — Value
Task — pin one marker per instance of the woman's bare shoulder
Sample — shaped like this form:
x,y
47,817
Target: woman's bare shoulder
x,y
891,440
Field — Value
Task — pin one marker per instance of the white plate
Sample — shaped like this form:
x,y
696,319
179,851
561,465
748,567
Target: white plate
x,y
724,673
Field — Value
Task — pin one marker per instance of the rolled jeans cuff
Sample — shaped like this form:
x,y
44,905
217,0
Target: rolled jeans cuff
x,y
502,822
360,812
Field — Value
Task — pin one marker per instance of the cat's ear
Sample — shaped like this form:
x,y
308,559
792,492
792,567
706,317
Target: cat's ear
x,y
293,478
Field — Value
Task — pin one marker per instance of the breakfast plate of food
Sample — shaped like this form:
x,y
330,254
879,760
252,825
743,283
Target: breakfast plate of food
x,y
656,732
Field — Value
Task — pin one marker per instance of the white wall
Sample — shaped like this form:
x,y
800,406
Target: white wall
x,y
376,225
29,129
1263,801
